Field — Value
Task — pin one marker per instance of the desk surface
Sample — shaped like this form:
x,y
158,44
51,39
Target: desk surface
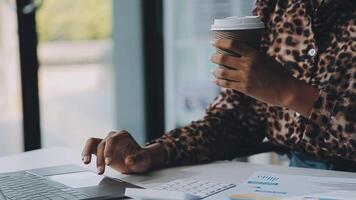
x,y
228,172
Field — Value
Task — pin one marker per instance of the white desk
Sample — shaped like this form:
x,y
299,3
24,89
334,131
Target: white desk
x,y
230,172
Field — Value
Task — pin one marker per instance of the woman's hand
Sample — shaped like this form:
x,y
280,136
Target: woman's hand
x,y
121,152
261,77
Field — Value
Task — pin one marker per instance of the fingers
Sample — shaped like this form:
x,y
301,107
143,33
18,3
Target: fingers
x,y
130,160
234,72
228,74
89,149
229,84
108,150
238,63
95,146
233,46
110,147
100,158
111,142
113,150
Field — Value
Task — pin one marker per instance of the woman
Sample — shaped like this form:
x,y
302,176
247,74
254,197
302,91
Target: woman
x,y
299,91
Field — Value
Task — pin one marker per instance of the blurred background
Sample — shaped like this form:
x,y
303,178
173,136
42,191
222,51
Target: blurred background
x,y
104,65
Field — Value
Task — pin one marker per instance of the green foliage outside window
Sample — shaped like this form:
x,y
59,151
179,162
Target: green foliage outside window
x,y
66,20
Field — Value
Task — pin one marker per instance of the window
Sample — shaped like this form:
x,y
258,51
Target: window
x,y
10,85
189,89
75,81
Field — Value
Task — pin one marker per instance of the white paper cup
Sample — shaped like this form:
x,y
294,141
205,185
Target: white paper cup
x,y
247,30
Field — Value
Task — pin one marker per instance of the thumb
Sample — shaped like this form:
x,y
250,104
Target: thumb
x,y
138,162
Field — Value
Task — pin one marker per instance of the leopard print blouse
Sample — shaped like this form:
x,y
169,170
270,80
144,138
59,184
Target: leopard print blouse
x,y
317,44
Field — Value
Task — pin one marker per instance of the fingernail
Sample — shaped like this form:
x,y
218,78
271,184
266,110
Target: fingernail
x,y
213,41
212,75
131,161
100,170
86,158
108,161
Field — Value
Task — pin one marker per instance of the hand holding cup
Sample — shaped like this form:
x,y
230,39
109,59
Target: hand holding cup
x,y
241,65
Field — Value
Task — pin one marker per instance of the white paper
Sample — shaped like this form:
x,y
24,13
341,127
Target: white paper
x,y
336,195
266,184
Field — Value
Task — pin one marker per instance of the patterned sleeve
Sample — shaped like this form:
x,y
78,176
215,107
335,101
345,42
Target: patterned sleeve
x,y
231,126
332,123
263,9
334,116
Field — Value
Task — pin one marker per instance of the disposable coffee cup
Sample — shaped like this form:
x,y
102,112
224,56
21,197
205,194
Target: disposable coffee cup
x,y
247,30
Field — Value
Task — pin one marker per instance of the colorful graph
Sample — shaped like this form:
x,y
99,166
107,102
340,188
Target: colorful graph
x,y
317,198
251,197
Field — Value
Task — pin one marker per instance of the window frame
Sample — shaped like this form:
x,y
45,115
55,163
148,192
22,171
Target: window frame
x,y
29,65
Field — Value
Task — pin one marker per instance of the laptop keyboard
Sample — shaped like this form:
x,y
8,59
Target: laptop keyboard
x,y
26,186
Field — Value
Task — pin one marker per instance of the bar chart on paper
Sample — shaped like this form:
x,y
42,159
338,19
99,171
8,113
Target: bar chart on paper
x,y
272,186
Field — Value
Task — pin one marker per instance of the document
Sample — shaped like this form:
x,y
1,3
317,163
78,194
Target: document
x,y
266,185
336,195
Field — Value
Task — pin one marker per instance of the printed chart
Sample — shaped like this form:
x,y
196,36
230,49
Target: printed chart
x,y
272,186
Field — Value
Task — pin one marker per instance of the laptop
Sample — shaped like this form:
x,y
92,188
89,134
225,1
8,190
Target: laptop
x,y
60,182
